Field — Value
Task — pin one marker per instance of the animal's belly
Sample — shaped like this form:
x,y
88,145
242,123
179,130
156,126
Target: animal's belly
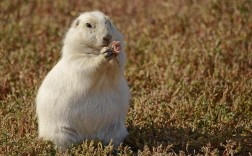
x,y
96,112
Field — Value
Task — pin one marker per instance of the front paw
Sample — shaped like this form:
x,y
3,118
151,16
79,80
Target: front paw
x,y
107,52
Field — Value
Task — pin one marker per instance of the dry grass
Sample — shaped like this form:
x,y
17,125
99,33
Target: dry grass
x,y
189,69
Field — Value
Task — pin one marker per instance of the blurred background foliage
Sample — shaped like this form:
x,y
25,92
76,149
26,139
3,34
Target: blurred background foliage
x,y
189,69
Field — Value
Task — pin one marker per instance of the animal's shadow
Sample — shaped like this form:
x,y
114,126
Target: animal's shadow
x,y
185,139
175,140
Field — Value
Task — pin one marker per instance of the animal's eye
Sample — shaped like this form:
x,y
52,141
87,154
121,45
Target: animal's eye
x,y
88,25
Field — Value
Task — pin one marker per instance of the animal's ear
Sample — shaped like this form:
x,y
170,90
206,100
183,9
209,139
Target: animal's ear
x,y
76,23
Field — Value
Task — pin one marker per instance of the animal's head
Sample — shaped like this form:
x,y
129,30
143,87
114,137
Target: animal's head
x,y
92,30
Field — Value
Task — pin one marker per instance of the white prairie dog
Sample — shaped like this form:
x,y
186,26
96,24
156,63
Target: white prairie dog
x,y
85,95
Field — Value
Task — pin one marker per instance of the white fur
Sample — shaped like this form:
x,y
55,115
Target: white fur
x,y
85,95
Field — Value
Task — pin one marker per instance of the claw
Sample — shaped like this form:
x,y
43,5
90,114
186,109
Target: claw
x,y
112,50
109,54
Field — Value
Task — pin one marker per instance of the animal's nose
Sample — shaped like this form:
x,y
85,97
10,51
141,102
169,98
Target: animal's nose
x,y
107,38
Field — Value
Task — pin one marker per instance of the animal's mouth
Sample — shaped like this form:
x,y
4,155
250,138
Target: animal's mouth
x,y
105,45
